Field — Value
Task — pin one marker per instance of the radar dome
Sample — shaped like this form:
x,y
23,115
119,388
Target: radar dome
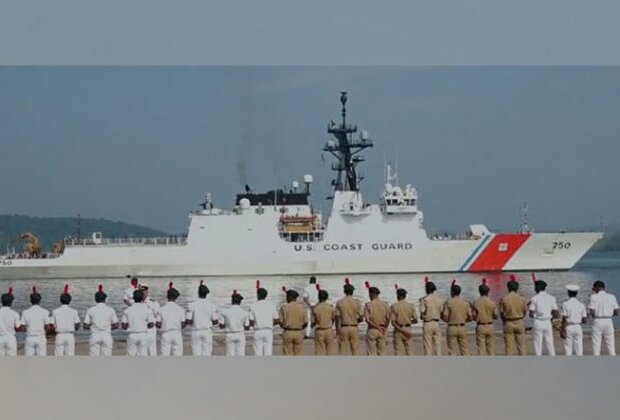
x,y
295,185
308,179
244,203
364,135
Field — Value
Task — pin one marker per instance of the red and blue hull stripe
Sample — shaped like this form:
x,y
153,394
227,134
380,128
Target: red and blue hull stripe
x,y
494,252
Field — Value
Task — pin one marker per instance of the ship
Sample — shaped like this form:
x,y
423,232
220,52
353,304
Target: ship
x,y
279,232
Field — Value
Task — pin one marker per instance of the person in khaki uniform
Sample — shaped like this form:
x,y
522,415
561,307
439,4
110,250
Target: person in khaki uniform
x,y
430,313
403,314
377,316
349,314
456,312
293,319
512,310
323,316
485,312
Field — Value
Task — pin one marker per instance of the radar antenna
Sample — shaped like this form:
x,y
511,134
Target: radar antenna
x,y
525,227
346,150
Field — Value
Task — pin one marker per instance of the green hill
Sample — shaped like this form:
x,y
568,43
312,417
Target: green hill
x,y
53,229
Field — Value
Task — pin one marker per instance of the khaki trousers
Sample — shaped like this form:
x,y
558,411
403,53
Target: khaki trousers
x,y
402,344
323,342
432,338
293,342
485,340
350,341
514,338
376,342
457,341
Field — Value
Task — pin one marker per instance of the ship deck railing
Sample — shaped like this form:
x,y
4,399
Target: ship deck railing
x,y
128,241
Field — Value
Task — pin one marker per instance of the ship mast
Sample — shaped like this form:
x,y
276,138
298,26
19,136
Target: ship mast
x,y
346,150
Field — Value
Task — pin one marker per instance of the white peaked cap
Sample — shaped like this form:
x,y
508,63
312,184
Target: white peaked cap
x,y
572,287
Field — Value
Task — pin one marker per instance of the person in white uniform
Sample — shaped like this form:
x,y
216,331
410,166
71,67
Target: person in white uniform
x,y
65,321
128,296
263,316
202,315
171,321
154,306
603,306
9,324
137,319
573,315
36,321
543,308
235,321
100,320
311,298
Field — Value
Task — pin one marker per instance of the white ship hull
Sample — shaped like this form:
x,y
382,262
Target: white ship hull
x,y
536,253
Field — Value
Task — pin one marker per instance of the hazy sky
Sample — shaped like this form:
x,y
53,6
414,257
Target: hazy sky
x,y
144,144
310,32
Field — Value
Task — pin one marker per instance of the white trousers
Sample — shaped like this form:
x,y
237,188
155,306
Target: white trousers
x,y
137,344
65,344
309,330
603,329
202,342
235,344
543,334
100,343
36,346
152,342
171,343
8,345
263,342
573,343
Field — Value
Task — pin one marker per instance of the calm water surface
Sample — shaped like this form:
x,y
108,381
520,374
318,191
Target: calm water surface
x,y
595,266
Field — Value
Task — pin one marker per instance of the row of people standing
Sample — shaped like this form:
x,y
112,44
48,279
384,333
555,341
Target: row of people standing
x,y
512,309
144,315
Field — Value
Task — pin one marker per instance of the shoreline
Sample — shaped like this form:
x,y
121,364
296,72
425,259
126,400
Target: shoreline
x,y
219,346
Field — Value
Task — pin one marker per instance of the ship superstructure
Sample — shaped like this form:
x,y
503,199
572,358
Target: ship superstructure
x,y
280,233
